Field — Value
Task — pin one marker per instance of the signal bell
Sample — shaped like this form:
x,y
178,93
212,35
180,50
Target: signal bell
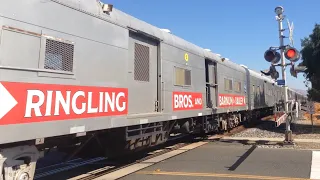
x,y
298,69
292,54
271,72
272,56
293,72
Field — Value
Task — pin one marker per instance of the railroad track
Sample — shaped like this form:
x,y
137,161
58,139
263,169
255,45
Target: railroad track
x,y
103,166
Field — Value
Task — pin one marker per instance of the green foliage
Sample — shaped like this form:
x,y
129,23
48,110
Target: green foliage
x,y
310,54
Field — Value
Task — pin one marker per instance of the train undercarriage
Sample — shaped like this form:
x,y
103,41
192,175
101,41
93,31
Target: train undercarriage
x,y
18,160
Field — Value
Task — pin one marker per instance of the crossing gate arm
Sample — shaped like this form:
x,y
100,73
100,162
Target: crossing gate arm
x,y
280,120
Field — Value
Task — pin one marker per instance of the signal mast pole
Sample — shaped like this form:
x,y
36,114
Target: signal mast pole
x,y
279,11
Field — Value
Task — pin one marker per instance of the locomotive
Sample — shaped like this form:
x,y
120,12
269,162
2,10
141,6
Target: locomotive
x,y
82,74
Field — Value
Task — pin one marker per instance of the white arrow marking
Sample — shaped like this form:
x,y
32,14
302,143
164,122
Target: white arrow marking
x,y
7,101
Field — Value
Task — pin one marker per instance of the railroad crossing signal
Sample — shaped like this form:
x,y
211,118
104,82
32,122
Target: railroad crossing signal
x,y
271,72
292,54
272,56
295,70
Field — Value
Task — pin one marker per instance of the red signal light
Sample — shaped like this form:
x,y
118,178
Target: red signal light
x,y
292,54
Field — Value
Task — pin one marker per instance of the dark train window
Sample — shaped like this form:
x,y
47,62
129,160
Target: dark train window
x,y
237,86
258,89
141,62
253,89
182,77
58,56
228,84
187,76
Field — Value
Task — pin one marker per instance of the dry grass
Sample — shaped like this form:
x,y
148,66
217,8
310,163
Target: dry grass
x,y
316,115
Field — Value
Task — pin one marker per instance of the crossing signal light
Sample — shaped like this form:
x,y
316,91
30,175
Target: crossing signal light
x,y
292,54
272,56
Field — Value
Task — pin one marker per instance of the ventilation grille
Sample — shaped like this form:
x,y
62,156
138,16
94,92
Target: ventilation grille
x,y
141,63
59,56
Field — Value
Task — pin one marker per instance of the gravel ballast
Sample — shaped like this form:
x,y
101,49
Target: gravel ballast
x,y
300,130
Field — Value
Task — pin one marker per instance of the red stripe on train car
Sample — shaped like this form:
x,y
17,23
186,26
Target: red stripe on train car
x,y
31,102
186,101
231,100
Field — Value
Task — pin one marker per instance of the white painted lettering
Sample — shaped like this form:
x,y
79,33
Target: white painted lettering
x,y
74,103
123,107
55,102
231,101
185,101
109,102
49,103
100,101
31,105
90,108
176,101
198,101
65,103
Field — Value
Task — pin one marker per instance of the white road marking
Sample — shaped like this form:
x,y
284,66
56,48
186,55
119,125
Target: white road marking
x,y
125,171
192,146
164,156
136,167
315,165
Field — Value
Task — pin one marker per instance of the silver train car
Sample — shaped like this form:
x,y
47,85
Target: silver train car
x,y
79,74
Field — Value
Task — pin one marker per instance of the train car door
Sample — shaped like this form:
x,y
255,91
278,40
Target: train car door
x,y
143,74
211,84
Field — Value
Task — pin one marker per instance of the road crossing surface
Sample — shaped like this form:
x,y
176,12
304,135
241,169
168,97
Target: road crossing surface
x,y
221,160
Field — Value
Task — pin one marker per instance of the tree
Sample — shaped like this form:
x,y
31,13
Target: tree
x,y
310,54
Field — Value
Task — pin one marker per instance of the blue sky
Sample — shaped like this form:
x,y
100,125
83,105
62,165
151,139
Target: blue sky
x,y
240,30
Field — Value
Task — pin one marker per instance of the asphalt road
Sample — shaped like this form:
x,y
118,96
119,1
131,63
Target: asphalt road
x,y
227,161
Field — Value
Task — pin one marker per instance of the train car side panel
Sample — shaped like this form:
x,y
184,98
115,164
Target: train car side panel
x,y
183,76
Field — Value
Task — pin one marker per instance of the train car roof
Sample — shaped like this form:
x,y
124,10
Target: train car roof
x,y
293,90
94,7
173,40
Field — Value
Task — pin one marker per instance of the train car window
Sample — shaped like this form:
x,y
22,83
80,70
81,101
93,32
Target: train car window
x,y
214,75
228,84
253,89
187,76
58,56
182,77
237,86
141,62
270,92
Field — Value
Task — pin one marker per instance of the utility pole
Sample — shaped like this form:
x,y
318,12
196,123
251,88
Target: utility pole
x,y
279,11
279,59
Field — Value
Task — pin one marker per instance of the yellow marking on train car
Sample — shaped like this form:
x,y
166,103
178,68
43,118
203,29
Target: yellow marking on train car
x,y
239,176
186,57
